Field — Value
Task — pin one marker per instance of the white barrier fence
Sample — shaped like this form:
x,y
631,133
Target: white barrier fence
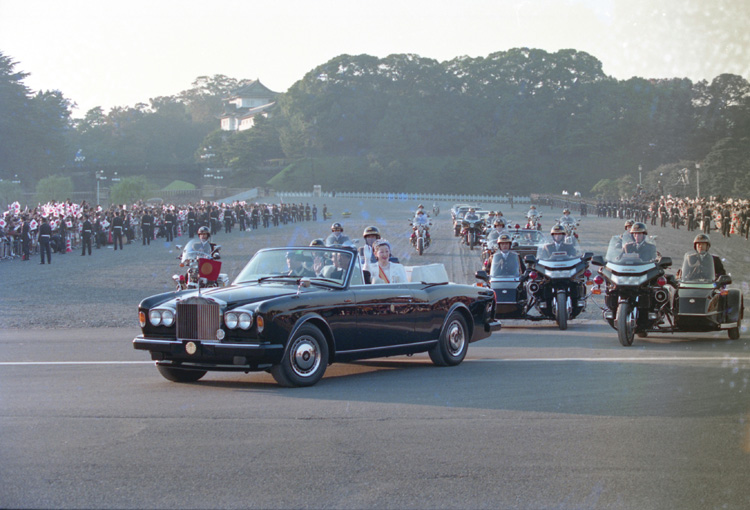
x,y
426,197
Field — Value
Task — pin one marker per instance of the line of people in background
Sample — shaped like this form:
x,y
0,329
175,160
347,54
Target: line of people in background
x,y
706,214
82,226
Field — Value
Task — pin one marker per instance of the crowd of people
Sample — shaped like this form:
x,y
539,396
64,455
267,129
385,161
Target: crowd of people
x,y
67,227
728,216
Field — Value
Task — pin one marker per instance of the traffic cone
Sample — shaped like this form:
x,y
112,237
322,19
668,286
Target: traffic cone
x,y
179,230
68,249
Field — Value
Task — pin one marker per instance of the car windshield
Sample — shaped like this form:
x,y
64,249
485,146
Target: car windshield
x,y
697,268
528,237
196,249
562,248
321,264
631,250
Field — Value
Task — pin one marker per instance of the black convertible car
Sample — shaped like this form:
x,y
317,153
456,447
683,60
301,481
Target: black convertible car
x,y
293,311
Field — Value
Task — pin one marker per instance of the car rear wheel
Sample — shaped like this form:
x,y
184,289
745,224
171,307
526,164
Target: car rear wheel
x,y
453,342
305,359
734,333
180,374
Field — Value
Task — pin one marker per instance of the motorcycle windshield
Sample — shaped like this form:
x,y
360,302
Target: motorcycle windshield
x,y
697,268
195,250
626,251
506,267
567,249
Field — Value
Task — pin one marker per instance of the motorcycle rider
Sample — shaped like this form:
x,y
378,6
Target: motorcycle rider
x,y
205,246
645,250
626,237
701,244
533,218
337,236
471,215
421,219
558,244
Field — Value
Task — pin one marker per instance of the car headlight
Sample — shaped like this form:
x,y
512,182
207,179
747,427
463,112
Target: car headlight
x,y
167,318
154,316
161,317
246,320
231,320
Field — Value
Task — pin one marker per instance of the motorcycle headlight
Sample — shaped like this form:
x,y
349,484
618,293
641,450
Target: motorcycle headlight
x,y
167,318
231,320
154,316
245,320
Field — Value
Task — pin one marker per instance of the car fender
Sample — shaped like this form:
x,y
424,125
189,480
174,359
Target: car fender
x,y
465,312
318,321
734,305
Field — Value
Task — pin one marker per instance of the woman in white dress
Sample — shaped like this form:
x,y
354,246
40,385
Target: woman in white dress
x,y
385,271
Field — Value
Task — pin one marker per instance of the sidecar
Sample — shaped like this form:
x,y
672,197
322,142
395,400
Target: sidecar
x,y
702,302
506,279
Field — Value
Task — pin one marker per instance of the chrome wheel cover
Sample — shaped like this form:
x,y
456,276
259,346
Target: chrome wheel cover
x,y
456,338
304,356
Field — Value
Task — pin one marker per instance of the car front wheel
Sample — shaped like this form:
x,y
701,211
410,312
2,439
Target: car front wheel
x,y
453,342
305,359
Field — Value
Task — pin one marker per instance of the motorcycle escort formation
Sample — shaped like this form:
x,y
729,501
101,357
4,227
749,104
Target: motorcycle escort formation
x,y
552,287
641,298
194,257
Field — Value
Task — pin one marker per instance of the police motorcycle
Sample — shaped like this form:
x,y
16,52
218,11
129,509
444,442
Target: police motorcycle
x,y
190,258
633,272
701,301
569,223
472,227
695,301
533,219
435,209
420,235
557,279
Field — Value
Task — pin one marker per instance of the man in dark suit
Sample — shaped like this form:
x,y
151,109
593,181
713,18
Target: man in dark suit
x,y
699,262
86,230
45,235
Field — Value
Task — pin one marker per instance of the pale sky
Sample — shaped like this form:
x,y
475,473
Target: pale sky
x,y
108,53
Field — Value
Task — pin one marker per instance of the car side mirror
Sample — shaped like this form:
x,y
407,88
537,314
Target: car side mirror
x,y
529,259
665,262
482,275
597,260
587,256
724,279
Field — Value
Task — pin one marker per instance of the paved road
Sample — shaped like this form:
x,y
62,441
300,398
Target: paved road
x,y
532,419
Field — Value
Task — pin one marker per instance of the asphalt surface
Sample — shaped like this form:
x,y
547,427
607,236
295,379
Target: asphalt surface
x,y
533,418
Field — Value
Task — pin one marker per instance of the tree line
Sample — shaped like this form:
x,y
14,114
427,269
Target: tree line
x,y
517,121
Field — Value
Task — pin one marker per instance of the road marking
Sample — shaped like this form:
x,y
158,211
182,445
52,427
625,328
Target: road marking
x,y
733,359
21,363
659,358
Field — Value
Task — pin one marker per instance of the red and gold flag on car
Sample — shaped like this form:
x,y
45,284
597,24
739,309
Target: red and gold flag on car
x,y
209,269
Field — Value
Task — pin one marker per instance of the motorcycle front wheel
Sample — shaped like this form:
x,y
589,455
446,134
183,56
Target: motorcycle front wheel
x,y
420,245
561,301
625,324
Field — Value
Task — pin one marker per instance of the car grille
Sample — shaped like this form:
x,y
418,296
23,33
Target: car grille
x,y
197,321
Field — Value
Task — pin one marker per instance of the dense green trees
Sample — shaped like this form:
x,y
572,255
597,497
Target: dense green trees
x,y
523,120
32,128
